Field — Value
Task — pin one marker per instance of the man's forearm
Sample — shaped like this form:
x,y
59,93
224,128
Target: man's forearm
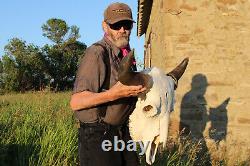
x,y
87,99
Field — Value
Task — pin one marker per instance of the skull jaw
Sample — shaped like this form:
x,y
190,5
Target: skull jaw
x,y
152,149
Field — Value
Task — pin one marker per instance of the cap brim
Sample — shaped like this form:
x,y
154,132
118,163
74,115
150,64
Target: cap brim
x,y
120,19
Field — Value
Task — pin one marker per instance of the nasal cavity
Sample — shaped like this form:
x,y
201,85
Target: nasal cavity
x,y
147,108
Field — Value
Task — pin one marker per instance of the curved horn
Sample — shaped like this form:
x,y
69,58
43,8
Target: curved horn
x,y
177,72
128,77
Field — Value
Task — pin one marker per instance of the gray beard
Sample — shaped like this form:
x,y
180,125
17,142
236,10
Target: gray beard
x,y
121,41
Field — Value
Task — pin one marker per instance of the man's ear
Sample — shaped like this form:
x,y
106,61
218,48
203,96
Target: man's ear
x,y
105,27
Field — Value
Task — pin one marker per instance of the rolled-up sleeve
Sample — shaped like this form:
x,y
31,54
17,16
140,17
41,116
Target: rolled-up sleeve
x,y
91,71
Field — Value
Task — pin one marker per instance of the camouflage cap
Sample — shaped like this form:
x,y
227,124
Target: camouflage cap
x,y
116,12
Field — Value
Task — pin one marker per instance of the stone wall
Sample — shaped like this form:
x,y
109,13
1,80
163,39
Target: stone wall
x,y
213,97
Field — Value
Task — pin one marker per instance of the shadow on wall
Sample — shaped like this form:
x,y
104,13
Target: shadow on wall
x,y
194,114
219,121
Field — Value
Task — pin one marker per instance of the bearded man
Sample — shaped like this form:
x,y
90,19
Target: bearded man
x,y
100,102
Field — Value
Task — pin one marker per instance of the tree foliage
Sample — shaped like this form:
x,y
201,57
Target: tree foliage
x,y
27,63
28,67
62,58
55,30
1,66
58,31
9,74
61,62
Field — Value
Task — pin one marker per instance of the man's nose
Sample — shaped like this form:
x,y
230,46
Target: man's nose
x,y
122,29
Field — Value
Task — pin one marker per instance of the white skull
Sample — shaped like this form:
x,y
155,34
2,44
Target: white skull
x,y
150,119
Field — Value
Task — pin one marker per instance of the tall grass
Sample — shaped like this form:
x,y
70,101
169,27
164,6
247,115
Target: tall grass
x,y
37,129
182,152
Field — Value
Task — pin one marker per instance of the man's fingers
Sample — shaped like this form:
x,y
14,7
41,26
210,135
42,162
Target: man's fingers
x,y
129,90
135,87
143,89
132,87
136,92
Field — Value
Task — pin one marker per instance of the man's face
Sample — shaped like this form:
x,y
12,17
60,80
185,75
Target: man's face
x,y
119,33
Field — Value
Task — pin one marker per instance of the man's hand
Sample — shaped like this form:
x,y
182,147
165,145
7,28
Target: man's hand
x,y
119,90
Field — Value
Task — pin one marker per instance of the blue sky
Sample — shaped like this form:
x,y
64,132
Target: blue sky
x,y
23,19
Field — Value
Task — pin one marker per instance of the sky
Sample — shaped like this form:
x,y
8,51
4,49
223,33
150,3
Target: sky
x,y
23,19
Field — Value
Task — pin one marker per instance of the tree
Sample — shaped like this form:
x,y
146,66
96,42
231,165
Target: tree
x,y
57,30
1,75
9,74
62,57
1,66
24,65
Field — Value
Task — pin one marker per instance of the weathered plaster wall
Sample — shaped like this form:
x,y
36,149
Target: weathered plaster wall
x,y
215,35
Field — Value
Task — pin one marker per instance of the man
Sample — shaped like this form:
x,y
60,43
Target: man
x,y
100,102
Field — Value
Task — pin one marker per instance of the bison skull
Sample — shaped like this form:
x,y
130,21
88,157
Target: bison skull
x,y
150,120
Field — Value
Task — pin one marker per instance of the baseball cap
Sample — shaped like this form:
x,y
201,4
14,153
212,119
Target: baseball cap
x,y
116,12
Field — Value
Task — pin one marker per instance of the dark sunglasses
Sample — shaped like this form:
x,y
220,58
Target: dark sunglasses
x,y
127,25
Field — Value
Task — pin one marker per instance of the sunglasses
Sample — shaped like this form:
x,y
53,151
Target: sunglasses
x,y
127,25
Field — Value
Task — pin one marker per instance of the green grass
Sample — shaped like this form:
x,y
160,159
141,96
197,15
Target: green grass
x,y
181,153
38,129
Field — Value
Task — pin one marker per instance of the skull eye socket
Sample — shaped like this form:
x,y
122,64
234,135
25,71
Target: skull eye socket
x,y
147,108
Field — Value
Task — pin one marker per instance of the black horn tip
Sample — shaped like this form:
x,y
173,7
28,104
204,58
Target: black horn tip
x,y
131,54
186,60
179,70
